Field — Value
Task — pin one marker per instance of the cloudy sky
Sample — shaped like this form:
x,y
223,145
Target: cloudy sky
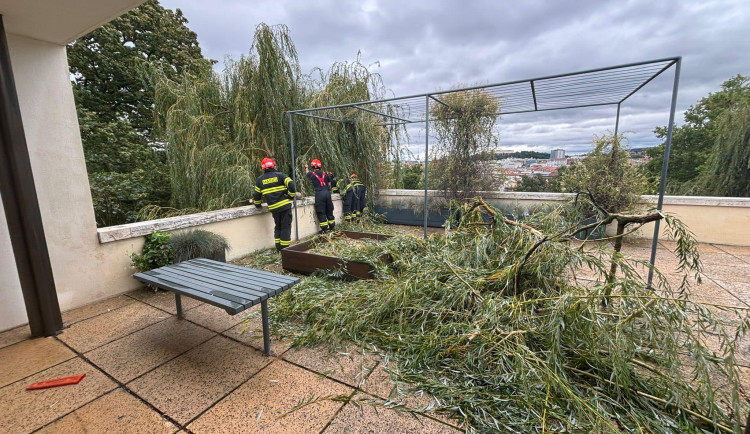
x,y
422,46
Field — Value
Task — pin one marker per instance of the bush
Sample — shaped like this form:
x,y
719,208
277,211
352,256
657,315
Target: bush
x,y
197,244
157,252
606,173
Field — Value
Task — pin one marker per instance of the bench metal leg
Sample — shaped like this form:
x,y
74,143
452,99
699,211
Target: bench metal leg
x,y
266,331
178,302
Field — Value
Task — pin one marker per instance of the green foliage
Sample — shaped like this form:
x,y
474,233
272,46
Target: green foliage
x,y
727,172
198,243
606,173
545,356
115,99
464,126
412,177
157,252
218,127
542,183
693,169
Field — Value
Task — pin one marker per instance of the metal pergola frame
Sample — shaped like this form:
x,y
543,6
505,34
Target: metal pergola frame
x,y
606,86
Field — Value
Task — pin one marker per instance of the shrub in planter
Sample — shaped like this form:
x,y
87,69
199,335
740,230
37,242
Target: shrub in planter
x,y
198,244
606,174
157,252
608,179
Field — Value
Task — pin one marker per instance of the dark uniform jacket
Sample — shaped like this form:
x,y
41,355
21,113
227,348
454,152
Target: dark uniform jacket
x,y
277,189
316,176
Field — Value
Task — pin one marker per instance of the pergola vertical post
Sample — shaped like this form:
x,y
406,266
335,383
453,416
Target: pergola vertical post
x,y
294,176
22,212
426,152
665,167
617,119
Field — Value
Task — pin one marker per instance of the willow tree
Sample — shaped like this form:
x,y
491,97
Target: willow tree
x,y
218,126
464,125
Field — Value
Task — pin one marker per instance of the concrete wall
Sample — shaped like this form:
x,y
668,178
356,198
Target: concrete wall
x,y
246,228
40,70
12,309
719,220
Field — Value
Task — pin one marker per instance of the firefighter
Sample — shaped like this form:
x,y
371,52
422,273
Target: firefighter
x,y
334,182
323,203
278,190
351,202
361,198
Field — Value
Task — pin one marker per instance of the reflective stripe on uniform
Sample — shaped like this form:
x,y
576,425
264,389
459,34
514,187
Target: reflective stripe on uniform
x,y
324,223
287,180
273,189
331,221
257,189
279,204
285,243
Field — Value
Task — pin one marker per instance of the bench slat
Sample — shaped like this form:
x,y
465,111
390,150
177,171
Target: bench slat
x,y
206,288
223,287
227,278
231,307
248,271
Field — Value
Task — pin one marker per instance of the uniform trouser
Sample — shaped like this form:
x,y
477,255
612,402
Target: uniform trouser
x,y
350,204
282,231
362,203
324,210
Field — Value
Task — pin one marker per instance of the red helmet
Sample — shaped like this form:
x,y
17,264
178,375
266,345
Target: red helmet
x,y
267,163
353,175
316,163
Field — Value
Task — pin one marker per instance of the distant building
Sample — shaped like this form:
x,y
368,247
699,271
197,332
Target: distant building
x,y
557,154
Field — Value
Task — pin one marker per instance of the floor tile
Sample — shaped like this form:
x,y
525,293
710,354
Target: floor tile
x,y
733,271
382,385
99,330
15,335
348,365
138,353
215,318
368,419
115,412
73,316
29,357
25,411
743,251
163,300
189,384
261,404
251,333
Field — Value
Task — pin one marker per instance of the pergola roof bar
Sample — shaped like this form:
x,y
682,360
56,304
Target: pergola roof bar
x,y
594,87
381,114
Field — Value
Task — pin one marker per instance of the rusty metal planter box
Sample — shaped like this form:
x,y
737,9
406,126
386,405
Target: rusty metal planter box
x,y
297,259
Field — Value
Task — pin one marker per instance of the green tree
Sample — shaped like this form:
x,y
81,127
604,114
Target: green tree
x,y
218,127
693,143
541,183
115,98
464,126
413,177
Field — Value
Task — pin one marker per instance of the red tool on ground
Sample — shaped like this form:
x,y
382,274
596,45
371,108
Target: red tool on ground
x,y
57,382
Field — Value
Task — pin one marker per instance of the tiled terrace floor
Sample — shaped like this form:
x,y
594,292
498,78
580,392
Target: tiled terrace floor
x,y
148,371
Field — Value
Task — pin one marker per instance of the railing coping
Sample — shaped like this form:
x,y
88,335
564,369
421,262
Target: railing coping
x,y
138,229
521,195
133,230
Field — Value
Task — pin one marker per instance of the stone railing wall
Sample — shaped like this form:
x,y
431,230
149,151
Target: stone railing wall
x,y
720,220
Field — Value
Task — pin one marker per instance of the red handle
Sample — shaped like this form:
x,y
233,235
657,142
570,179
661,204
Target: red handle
x,y
57,382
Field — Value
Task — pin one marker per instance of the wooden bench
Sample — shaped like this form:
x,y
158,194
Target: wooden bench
x,y
230,287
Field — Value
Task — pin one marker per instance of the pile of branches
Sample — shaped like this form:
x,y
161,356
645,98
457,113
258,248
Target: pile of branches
x,y
491,321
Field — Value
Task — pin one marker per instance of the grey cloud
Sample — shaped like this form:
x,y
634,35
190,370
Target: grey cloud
x,y
425,46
